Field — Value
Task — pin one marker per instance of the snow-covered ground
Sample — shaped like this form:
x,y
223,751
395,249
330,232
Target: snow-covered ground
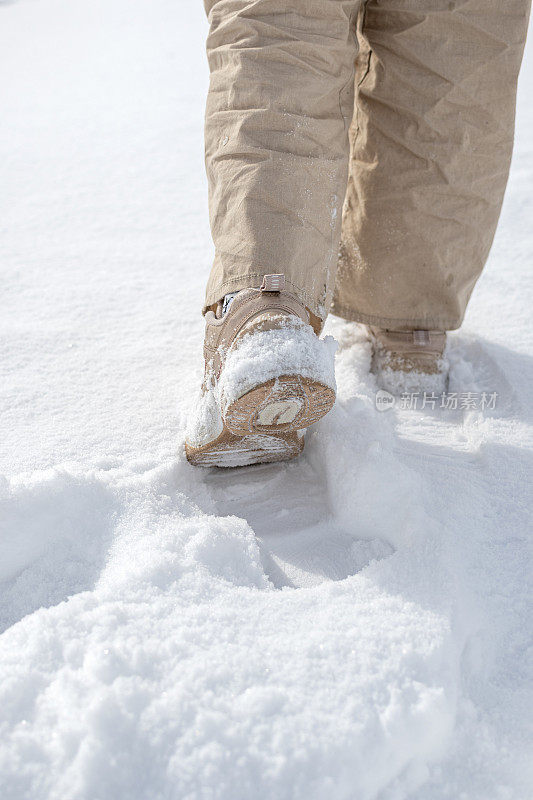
x,y
351,626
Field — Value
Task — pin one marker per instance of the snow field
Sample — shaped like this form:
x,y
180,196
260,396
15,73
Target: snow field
x,y
353,625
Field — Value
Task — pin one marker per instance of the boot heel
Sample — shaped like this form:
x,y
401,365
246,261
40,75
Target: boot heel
x,y
280,405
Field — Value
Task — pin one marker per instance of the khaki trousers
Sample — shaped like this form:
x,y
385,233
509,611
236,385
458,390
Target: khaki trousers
x,y
361,148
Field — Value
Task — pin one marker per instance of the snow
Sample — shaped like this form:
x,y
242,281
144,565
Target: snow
x,y
352,625
292,349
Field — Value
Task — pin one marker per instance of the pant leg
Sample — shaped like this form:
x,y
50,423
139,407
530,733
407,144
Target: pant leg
x,y
431,147
278,112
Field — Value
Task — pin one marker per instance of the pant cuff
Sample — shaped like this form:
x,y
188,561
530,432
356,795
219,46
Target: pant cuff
x,y
412,323
253,280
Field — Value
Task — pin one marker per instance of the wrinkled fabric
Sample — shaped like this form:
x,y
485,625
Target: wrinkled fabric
x,y
431,141
413,178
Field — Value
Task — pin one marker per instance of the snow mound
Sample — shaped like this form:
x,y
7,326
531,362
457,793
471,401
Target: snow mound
x,y
178,652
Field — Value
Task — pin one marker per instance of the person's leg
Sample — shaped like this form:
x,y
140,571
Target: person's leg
x,y
278,112
431,146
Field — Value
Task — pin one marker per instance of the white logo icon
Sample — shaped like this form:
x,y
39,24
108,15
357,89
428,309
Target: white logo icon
x,y
384,400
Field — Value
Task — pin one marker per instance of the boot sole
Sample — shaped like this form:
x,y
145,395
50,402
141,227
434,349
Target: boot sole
x,y
266,424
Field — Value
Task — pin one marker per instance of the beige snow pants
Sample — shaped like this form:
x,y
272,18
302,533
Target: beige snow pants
x,y
410,184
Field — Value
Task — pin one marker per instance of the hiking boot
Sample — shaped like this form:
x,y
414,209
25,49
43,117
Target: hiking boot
x,y
409,361
267,378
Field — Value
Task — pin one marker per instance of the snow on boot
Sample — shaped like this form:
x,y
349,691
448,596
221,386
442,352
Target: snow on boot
x,y
409,361
267,378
